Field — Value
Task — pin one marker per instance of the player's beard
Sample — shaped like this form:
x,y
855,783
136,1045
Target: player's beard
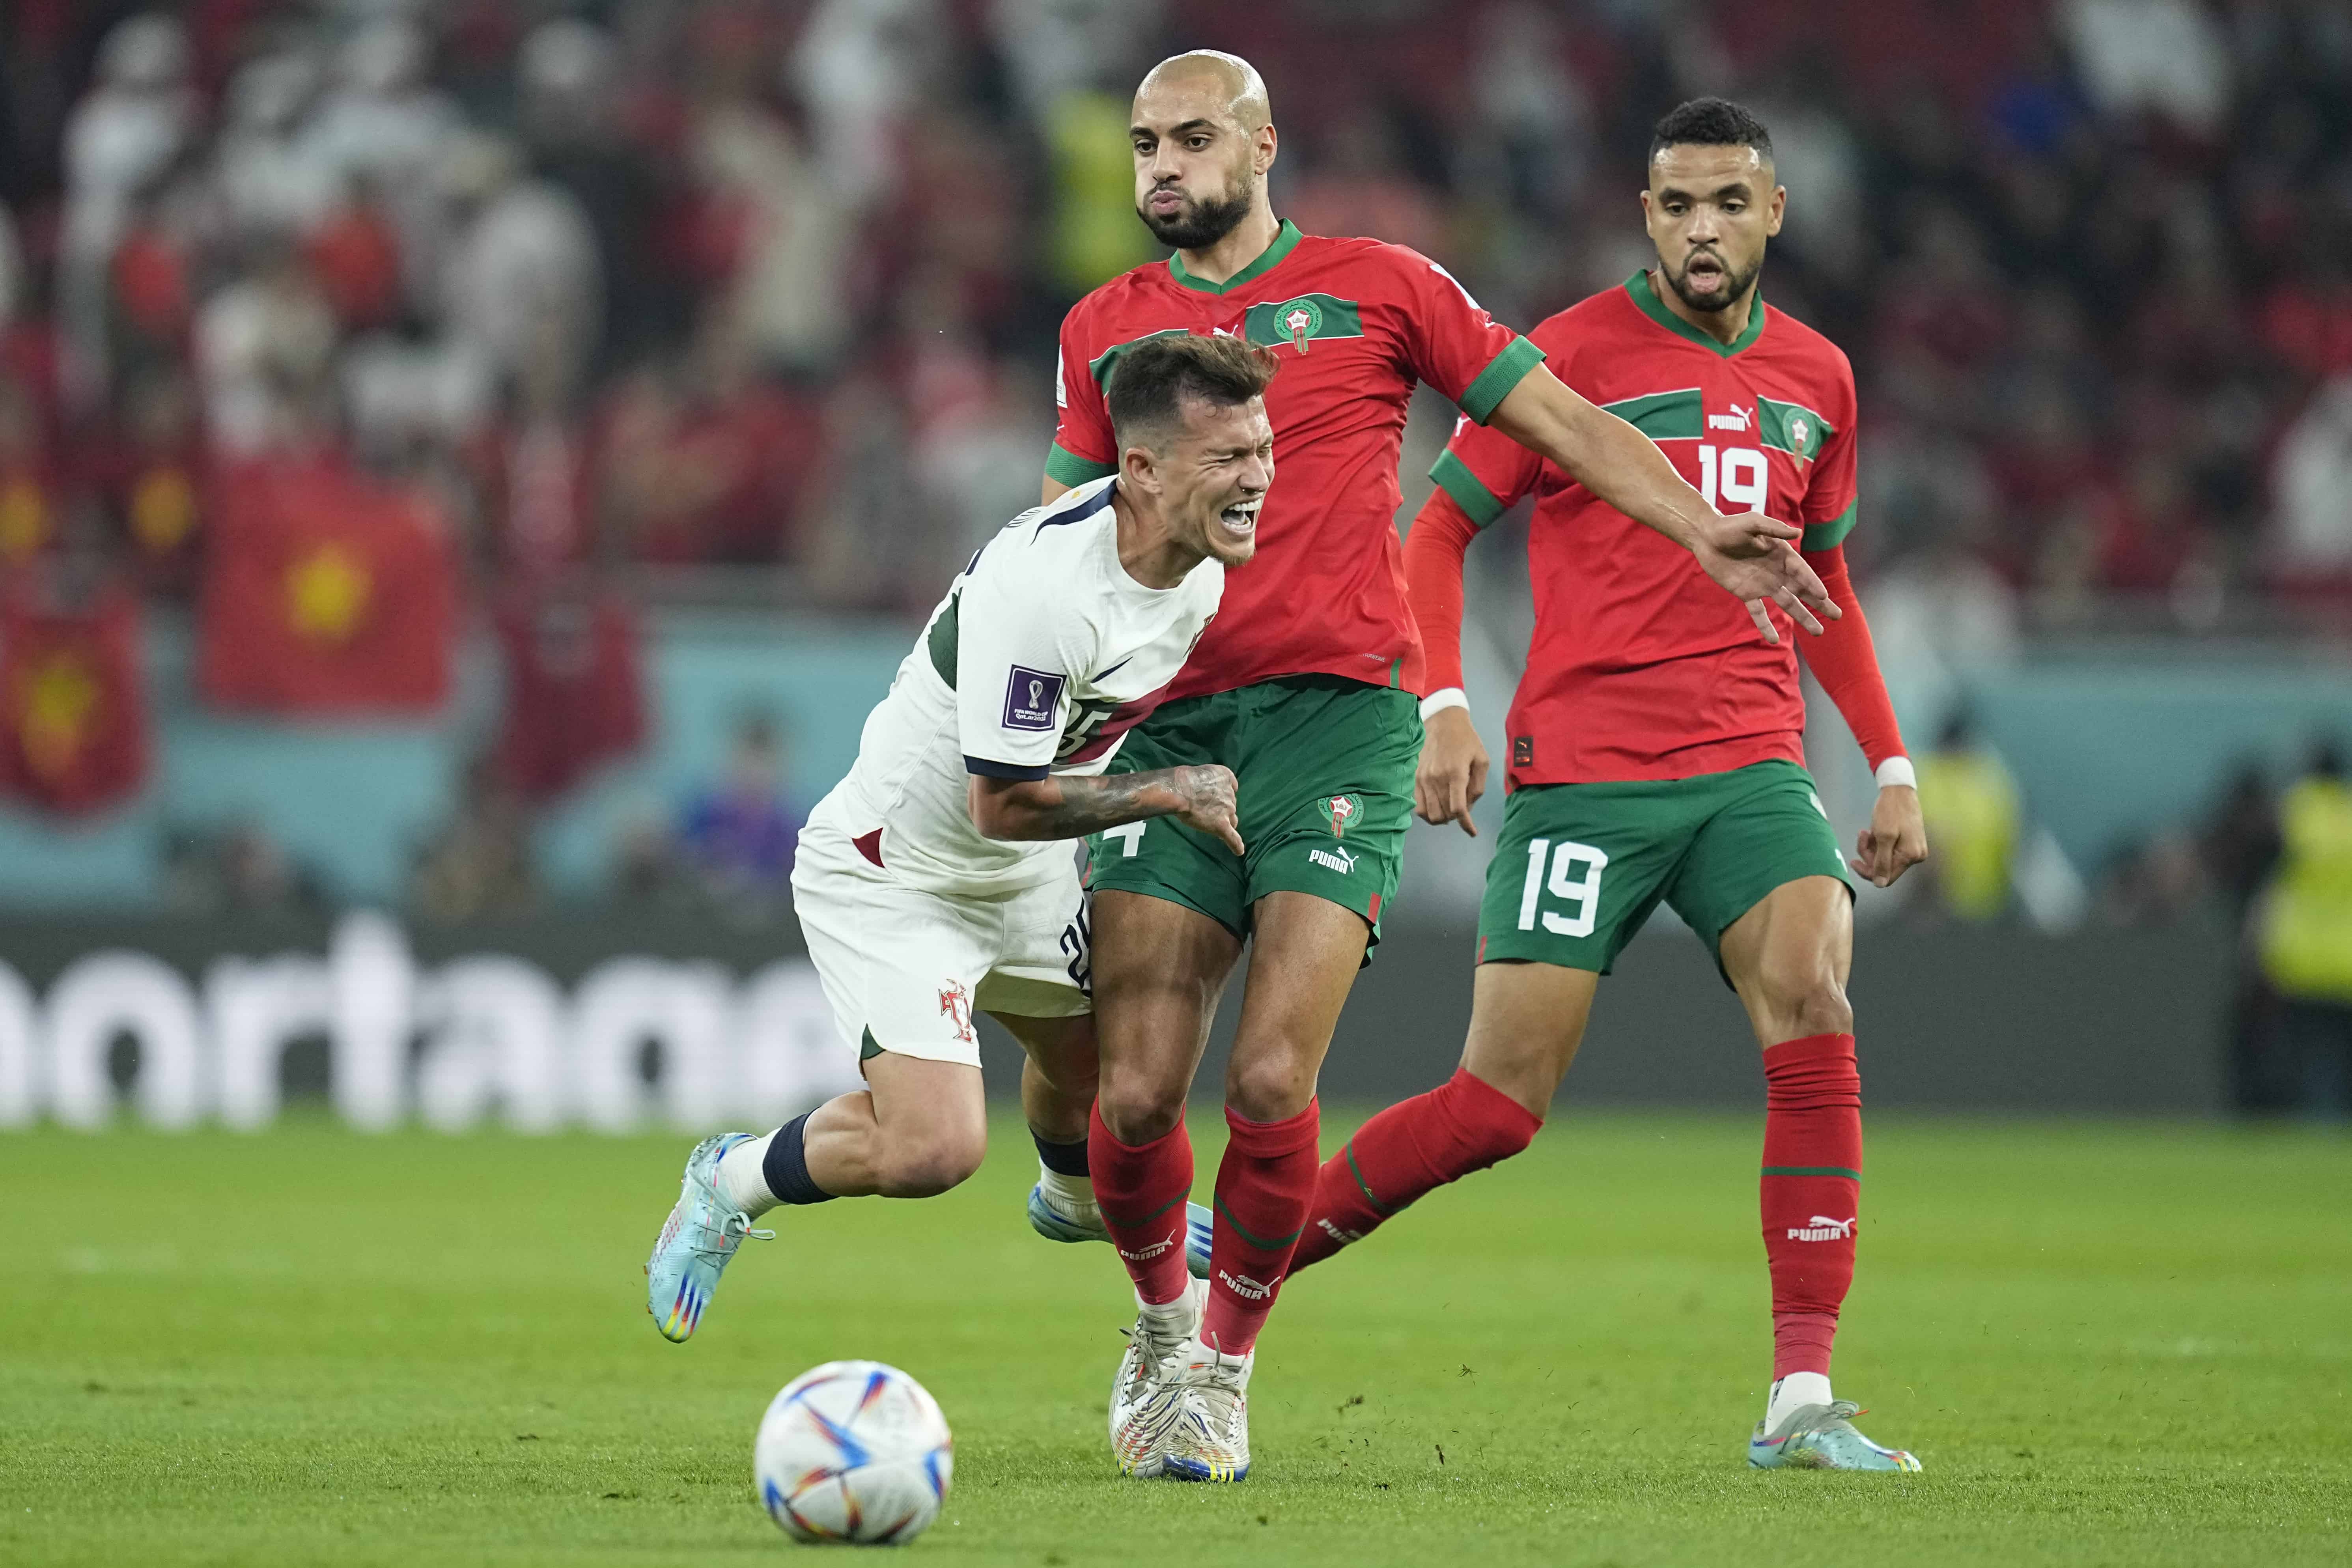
x,y
1733,288
1202,220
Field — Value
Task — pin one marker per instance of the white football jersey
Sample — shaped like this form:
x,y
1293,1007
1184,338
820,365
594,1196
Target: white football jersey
x,y
1042,656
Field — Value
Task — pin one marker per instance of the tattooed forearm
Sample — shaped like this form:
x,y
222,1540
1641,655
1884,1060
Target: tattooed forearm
x,y
1090,805
1070,806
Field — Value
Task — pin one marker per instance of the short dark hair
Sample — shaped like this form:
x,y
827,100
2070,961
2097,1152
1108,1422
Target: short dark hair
x,y
1149,383
1710,122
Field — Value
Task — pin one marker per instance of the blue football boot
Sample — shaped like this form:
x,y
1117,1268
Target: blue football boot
x,y
1052,1224
696,1244
1822,1437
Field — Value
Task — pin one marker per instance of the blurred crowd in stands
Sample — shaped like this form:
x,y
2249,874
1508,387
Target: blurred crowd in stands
x,y
685,283
355,324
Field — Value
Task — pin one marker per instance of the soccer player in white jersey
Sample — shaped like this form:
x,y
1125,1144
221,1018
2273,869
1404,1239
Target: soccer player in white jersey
x,y
929,883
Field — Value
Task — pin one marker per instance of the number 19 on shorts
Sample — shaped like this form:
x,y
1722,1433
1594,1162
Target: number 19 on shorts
x,y
1570,875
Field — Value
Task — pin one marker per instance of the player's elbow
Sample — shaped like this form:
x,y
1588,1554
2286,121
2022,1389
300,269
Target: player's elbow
x,y
999,808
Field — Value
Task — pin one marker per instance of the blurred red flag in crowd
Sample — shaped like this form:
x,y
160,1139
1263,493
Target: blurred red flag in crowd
x,y
574,698
73,710
325,594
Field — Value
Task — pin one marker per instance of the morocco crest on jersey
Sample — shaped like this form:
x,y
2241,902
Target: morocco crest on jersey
x,y
1339,810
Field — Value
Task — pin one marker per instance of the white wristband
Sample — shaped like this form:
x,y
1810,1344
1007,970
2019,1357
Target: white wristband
x,y
1896,771
1437,703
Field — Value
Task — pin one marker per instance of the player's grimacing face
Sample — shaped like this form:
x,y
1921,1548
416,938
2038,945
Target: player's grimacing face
x,y
1196,167
1710,210
1214,477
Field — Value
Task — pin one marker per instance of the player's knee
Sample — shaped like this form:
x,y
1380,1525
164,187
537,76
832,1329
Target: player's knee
x,y
1271,1088
1138,1109
926,1167
1807,999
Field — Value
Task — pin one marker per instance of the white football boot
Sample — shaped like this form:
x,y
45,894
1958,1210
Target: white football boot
x,y
1209,1439
1143,1403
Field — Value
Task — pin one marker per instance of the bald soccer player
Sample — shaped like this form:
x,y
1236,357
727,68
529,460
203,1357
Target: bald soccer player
x,y
1307,686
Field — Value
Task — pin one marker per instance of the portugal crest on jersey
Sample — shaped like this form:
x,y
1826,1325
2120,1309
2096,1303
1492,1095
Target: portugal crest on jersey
x,y
955,1005
1301,320
1339,810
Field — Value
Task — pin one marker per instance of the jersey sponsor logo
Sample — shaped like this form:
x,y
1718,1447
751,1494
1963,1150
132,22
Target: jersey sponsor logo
x,y
1738,419
1338,861
955,1005
1823,1229
1032,697
1338,810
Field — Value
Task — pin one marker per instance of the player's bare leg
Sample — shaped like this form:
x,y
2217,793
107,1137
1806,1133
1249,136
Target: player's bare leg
x,y
1526,1021
1788,958
919,1128
1159,971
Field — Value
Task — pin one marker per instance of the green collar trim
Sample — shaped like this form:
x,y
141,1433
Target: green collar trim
x,y
1638,286
1268,259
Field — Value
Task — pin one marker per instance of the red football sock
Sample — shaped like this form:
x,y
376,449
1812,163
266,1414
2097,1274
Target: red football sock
x,y
1141,1190
1263,1187
1811,1192
1465,1124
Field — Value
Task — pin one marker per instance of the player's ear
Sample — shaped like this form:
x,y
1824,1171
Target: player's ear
x,y
1777,210
1265,145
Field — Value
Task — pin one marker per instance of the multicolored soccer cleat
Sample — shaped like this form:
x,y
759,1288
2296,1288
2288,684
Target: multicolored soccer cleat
x,y
1054,1225
1144,1400
1209,1440
696,1243
1822,1437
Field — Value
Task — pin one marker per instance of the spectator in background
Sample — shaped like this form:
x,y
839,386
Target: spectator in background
x,y
264,346
2305,934
711,461
738,838
1971,803
523,257
30,495
135,121
2311,480
479,863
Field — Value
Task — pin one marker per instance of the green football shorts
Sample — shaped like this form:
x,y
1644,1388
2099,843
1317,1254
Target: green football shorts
x,y
1324,766
1580,867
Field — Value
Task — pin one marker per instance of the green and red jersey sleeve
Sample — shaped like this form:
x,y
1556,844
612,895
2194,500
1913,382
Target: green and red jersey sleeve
x,y
1828,513
1083,448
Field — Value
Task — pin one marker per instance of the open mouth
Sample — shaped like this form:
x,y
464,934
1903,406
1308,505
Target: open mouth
x,y
1240,518
1704,275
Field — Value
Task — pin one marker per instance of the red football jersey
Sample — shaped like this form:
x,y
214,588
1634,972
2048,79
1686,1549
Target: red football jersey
x,y
1641,667
1355,323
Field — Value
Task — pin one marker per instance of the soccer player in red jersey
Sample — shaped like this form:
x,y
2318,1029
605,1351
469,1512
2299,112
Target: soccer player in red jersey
x,y
1655,752
1305,685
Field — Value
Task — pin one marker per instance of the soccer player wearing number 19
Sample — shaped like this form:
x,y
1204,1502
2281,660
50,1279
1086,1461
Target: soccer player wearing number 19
x,y
1657,751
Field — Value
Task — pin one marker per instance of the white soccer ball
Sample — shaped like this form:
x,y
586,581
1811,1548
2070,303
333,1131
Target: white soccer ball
x,y
854,1450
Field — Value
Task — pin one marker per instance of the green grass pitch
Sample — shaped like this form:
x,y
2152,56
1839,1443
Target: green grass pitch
x,y
2115,1344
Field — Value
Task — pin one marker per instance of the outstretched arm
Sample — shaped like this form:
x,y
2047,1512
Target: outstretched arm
x,y
1747,555
1071,805
1845,661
